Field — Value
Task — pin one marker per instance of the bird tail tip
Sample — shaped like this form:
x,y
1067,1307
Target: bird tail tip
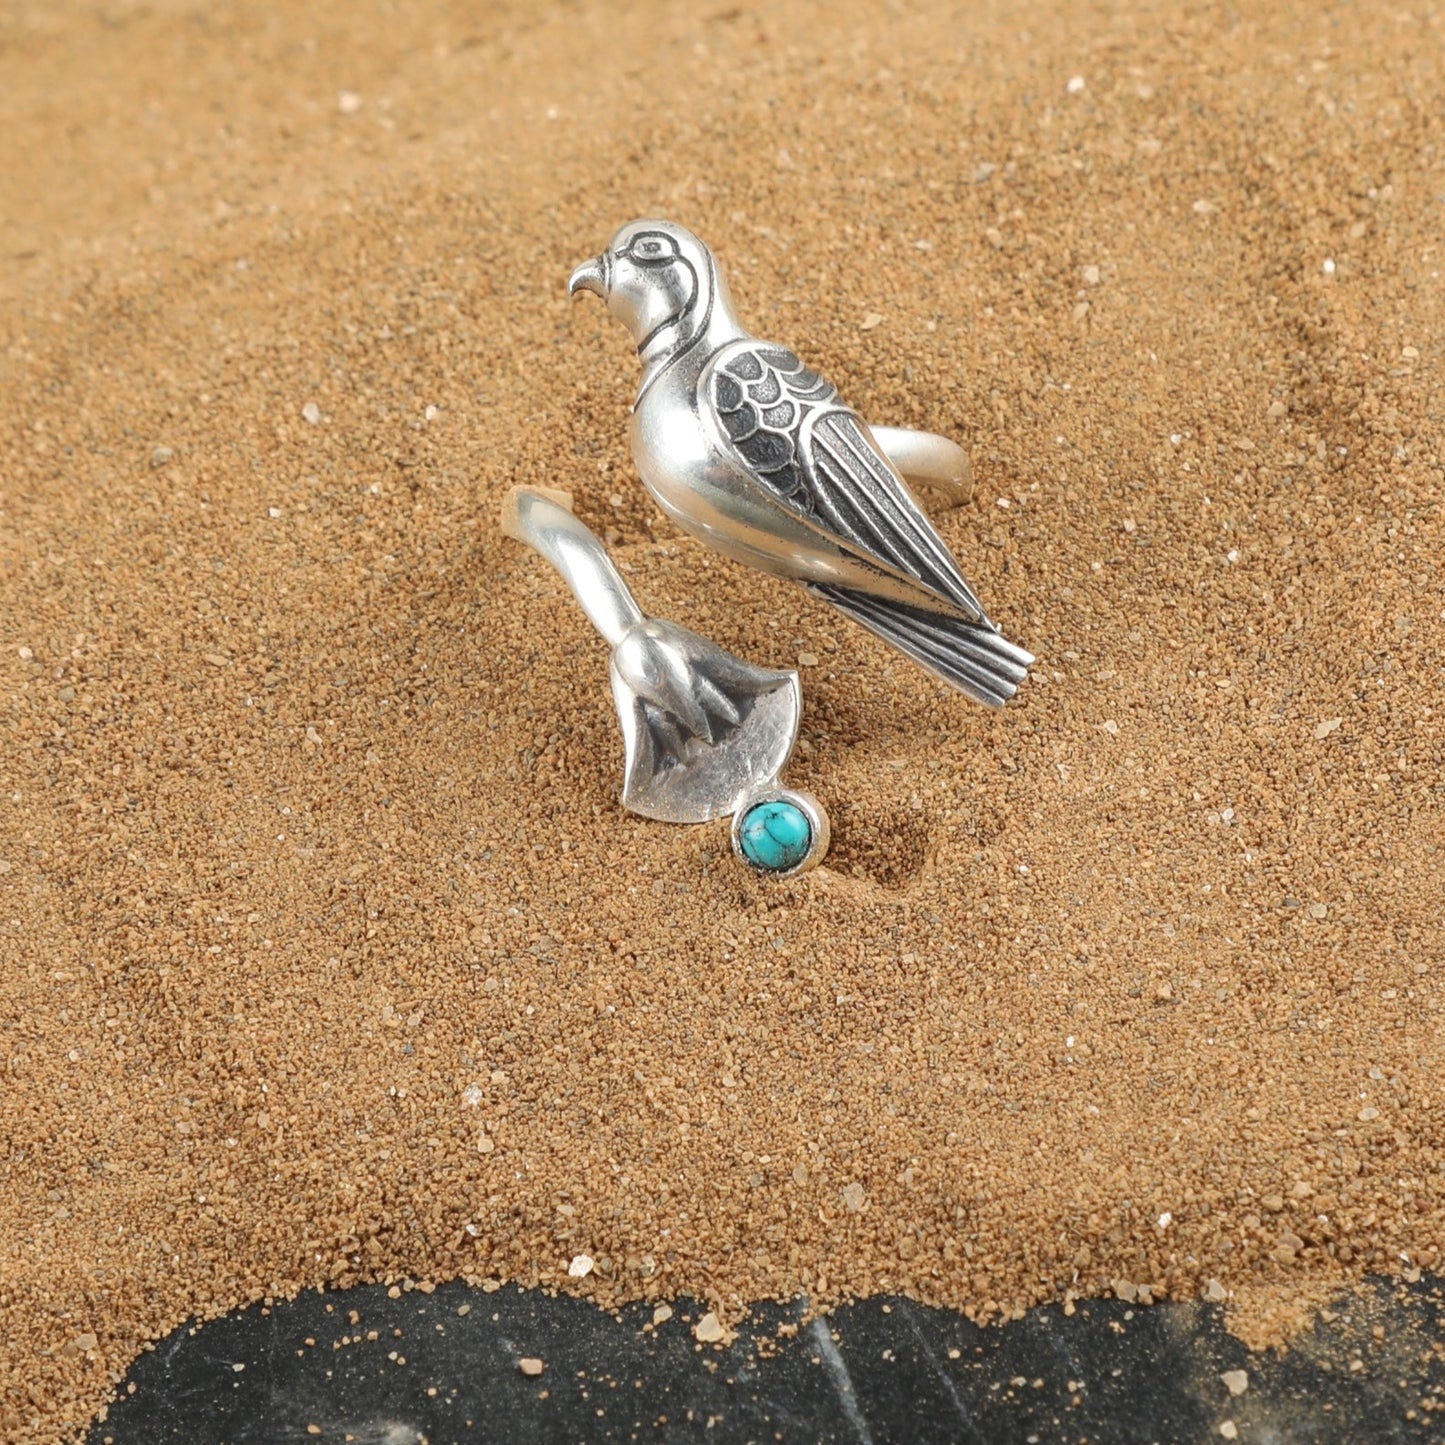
x,y
976,658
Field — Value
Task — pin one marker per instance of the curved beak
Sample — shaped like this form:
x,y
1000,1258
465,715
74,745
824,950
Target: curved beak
x,y
590,276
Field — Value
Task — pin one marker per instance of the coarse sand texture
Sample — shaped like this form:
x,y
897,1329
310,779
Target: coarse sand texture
x,y
326,952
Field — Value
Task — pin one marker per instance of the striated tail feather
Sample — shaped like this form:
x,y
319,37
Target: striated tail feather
x,y
969,656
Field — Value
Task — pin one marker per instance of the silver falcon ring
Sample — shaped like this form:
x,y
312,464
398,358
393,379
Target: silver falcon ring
x,y
758,457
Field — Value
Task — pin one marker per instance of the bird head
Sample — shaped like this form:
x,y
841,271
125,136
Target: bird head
x,y
660,281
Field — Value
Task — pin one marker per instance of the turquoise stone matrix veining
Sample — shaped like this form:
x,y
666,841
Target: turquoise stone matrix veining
x,y
775,836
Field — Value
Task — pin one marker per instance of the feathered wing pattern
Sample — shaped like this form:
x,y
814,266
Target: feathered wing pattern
x,y
975,659
802,442
762,394
790,428
852,482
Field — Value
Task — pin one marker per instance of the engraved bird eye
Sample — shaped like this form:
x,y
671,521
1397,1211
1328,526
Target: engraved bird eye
x,y
650,248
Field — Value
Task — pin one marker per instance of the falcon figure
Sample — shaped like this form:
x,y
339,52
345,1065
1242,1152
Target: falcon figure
x,y
752,453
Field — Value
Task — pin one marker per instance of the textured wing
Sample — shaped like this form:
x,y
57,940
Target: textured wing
x,y
805,445
969,656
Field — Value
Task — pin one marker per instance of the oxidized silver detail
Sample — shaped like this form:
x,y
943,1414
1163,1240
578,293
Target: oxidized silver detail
x,y
752,453
703,731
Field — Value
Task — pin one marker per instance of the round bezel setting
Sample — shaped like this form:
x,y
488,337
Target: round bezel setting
x,y
792,806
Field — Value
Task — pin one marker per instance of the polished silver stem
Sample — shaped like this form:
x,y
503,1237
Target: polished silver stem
x,y
543,520
926,460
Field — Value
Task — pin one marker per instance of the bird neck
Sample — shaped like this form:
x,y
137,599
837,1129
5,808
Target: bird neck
x,y
699,331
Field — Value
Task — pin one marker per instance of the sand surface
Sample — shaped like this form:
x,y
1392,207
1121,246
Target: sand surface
x,y
325,951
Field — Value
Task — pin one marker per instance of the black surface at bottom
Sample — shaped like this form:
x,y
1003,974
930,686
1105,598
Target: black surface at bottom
x,y
358,1366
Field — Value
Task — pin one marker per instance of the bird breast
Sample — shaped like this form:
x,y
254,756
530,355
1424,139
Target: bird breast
x,y
701,486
